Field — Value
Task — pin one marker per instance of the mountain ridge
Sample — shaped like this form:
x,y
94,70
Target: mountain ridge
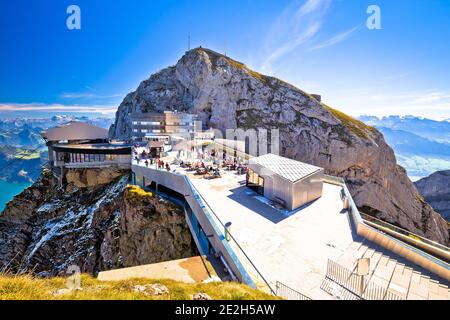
x,y
98,227
421,145
226,95
436,191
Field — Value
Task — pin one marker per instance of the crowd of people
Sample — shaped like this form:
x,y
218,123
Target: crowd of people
x,y
149,160
199,167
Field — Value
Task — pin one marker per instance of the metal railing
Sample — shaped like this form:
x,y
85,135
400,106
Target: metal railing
x,y
353,209
413,236
248,265
360,222
357,286
333,180
288,293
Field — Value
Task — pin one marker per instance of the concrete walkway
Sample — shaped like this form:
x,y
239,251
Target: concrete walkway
x,y
189,270
290,247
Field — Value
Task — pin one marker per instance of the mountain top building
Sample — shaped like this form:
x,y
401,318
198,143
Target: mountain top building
x,y
81,145
288,182
147,125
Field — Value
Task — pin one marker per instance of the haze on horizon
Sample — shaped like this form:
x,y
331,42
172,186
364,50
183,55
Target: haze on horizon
x,y
320,46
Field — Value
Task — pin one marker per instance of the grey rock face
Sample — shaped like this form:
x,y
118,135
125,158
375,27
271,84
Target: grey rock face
x,y
48,228
436,191
225,94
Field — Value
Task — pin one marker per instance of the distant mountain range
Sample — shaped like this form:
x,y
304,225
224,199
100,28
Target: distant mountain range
x,y
422,146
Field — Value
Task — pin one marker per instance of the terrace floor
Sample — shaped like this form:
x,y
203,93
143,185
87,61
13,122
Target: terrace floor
x,y
190,270
290,247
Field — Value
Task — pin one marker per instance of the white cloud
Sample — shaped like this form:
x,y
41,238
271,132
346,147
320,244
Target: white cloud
x,y
88,95
309,6
397,76
335,40
433,104
76,95
290,46
17,107
299,23
431,97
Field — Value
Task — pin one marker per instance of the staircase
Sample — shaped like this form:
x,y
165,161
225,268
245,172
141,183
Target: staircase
x,y
388,279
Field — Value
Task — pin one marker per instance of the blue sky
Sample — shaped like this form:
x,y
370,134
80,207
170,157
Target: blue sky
x,y
321,46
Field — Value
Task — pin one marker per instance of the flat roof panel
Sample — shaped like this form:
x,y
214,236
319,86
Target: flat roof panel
x,y
289,169
75,130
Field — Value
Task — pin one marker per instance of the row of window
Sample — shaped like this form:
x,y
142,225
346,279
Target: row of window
x,y
179,130
147,131
156,139
254,180
161,123
148,123
79,157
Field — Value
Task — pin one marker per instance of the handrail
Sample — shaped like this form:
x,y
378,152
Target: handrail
x,y
231,236
358,286
405,232
360,221
289,293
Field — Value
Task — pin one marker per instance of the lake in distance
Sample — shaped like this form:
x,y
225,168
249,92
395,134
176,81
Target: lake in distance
x,y
8,190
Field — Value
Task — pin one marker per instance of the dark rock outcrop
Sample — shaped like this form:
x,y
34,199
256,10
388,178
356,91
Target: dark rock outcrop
x,y
436,191
225,94
47,228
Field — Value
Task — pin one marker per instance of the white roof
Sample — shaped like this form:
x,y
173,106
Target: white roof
x,y
75,130
289,169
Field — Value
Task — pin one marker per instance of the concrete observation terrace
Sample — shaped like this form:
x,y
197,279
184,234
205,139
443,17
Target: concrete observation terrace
x,y
287,246
271,222
291,247
310,249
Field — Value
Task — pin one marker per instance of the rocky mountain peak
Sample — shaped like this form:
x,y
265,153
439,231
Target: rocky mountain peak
x,y
226,94
436,191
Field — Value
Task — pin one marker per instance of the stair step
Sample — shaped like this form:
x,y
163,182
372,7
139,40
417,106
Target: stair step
x,y
369,253
437,292
385,270
374,261
359,253
354,245
346,261
400,281
362,250
389,277
419,286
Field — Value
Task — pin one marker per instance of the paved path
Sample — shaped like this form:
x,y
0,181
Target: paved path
x,y
188,270
290,247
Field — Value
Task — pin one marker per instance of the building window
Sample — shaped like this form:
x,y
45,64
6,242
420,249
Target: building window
x,y
255,182
110,157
